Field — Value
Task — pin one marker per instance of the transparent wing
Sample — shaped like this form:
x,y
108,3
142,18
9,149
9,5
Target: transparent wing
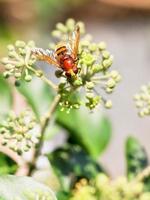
x,y
75,41
45,55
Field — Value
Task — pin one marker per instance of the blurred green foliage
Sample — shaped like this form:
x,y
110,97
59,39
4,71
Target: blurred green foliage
x,y
71,163
7,166
137,161
6,97
38,95
84,129
136,157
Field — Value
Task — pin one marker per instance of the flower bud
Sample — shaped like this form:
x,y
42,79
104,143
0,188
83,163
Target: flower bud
x,y
61,27
77,82
96,68
28,78
56,33
31,43
9,66
12,54
107,63
108,104
20,44
19,65
22,51
17,83
93,47
102,46
4,60
82,27
10,47
39,73
105,54
17,75
90,85
89,95
111,83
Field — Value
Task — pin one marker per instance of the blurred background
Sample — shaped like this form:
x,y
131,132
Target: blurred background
x,y
124,25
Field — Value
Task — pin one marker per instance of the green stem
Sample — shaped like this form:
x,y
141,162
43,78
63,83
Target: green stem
x,y
44,125
50,83
46,80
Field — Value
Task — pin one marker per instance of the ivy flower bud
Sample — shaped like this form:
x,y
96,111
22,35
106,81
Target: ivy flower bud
x,y
105,54
93,47
107,63
20,44
70,24
88,59
111,83
77,82
108,104
90,85
20,61
10,47
102,46
28,78
61,27
142,101
9,66
97,68
18,132
56,33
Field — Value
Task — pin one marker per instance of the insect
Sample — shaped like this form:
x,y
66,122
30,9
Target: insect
x,y
65,55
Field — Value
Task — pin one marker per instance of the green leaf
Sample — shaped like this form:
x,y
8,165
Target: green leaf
x,y
6,98
37,94
23,188
7,165
92,132
62,195
71,163
136,157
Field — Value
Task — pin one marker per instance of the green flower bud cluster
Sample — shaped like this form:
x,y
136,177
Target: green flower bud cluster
x,y
20,61
62,30
94,63
69,99
20,133
103,188
142,101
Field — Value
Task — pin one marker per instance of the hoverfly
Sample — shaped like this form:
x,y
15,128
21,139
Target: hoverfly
x,y
65,55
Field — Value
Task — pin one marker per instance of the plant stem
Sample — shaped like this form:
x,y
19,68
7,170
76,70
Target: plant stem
x,y
44,125
50,83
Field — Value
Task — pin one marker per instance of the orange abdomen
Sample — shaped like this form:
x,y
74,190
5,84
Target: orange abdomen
x,y
68,64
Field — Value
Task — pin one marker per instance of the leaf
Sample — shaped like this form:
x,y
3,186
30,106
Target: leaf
x,y
92,132
62,195
72,163
136,157
23,188
37,94
6,98
7,165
